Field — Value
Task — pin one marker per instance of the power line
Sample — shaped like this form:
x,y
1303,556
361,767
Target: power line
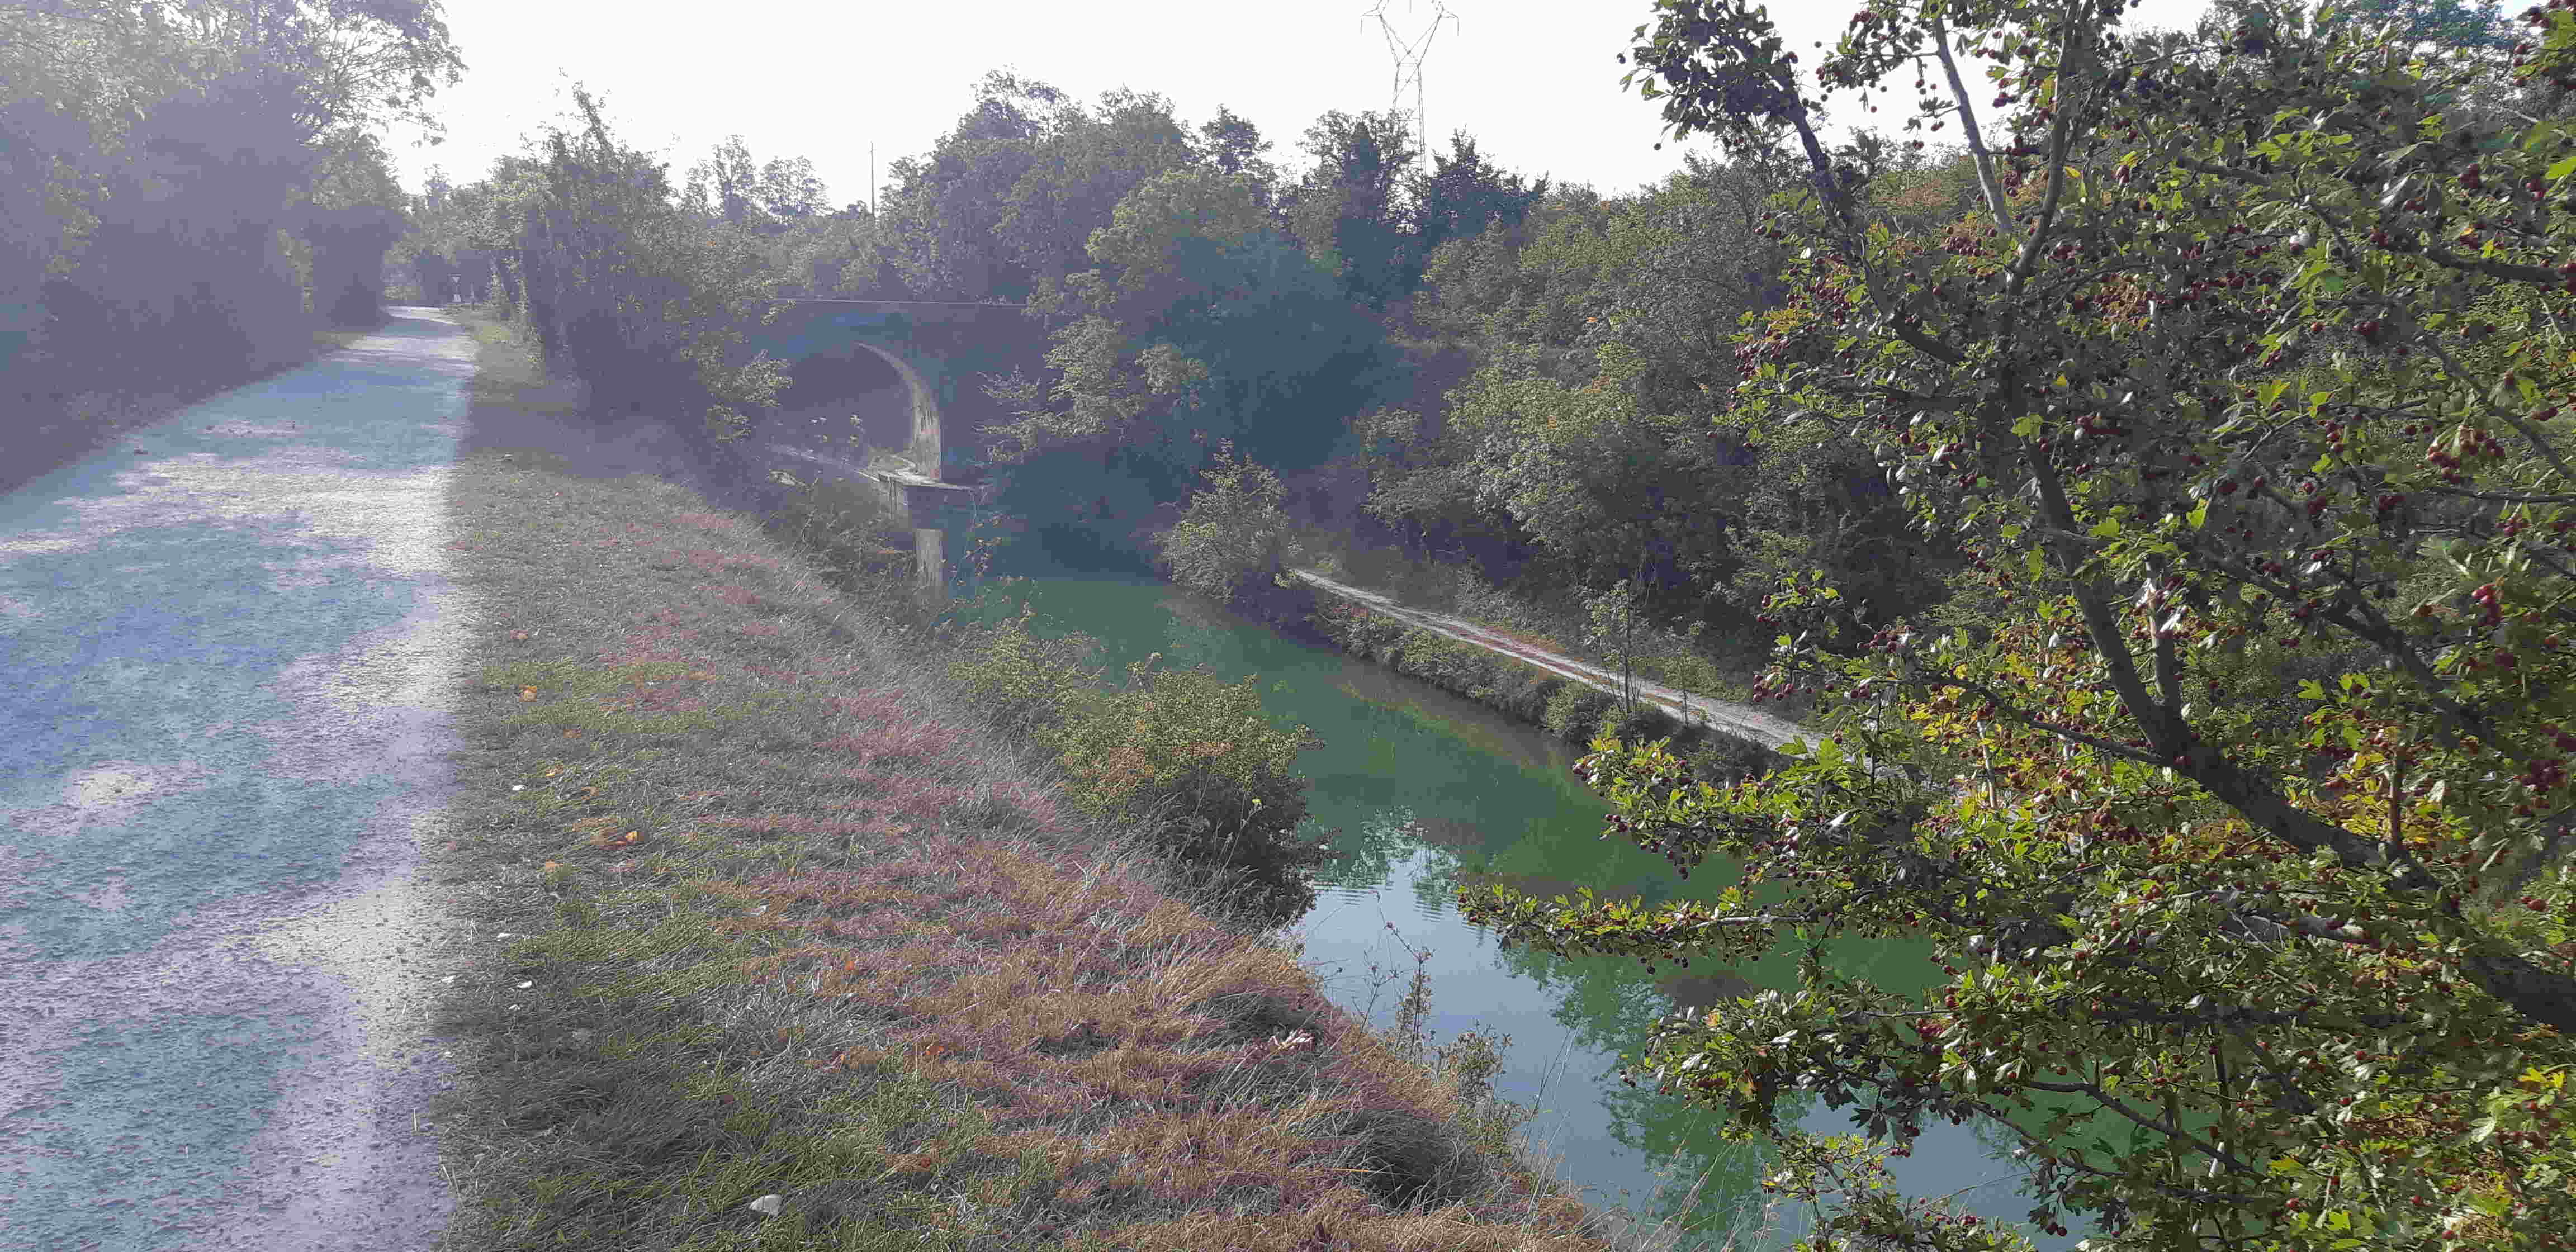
x,y
1409,55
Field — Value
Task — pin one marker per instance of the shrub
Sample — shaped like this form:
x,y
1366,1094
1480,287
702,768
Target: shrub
x,y
1638,722
1182,750
1023,682
1233,529
1575,709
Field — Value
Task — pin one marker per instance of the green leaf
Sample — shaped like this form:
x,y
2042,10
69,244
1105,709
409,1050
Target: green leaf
x,y
2562,169
2032,561
2311,689
2107,528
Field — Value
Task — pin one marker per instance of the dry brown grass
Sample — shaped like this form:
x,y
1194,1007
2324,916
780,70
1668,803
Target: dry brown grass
x,y
774,914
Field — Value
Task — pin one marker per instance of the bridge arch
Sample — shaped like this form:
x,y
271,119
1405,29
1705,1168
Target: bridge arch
x,y
850,384
940,350
938,355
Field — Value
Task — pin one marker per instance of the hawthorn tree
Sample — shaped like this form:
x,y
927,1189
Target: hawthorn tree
x,y
2228,791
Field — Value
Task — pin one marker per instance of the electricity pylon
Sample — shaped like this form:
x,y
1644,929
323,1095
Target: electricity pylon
x,y
1409,55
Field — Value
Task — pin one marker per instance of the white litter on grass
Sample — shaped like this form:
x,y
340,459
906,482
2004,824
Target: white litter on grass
x,y
767,1205
525,985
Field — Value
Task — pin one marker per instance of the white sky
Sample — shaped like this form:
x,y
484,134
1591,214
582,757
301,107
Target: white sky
x,y
1534,82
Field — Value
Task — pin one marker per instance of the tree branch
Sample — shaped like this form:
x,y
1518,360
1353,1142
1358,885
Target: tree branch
x,y
1984,160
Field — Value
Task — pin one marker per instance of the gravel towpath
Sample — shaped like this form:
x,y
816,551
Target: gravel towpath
x,y
229,644
1738,720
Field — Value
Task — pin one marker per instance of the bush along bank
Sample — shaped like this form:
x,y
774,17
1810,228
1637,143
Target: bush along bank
x,y
1181,751
796,945
1577,712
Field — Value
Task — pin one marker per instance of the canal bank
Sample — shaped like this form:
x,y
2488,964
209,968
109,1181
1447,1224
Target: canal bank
x,y
1570,699
1428,789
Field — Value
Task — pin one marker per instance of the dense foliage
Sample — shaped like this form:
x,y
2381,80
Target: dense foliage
x,y
2229,787
627,289
158,159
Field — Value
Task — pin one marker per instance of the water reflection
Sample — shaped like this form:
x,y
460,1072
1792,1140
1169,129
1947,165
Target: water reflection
x,y
1430,793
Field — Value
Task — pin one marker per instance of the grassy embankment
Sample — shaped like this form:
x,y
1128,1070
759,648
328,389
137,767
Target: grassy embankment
x,y
802,953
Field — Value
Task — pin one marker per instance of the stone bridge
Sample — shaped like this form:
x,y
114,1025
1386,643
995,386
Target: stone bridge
x,y
883,408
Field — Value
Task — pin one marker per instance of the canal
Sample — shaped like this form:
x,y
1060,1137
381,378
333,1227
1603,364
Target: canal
x,y
1429,793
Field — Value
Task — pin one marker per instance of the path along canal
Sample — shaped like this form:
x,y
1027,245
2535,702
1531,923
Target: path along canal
x,y
1429,793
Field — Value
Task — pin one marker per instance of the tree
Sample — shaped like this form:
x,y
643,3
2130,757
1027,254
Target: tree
x,y
943,218
2228,790
1086,162
1612,489
791,192
336,61
1233,145
188,133
626,287
726,185
1198,323
1349,211
1463,195
1233,529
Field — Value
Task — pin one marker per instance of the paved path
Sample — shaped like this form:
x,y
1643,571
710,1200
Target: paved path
x,y
228,642
1734,719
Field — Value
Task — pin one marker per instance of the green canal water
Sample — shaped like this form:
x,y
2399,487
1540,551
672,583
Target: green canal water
x,y
1428,793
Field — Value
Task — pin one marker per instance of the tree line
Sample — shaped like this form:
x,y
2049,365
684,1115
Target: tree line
x,y
168,168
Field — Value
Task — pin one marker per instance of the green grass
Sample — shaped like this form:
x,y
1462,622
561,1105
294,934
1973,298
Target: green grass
x,y
778,913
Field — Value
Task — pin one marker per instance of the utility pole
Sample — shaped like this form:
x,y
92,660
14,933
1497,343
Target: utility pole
x,y
1409,55
872,180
